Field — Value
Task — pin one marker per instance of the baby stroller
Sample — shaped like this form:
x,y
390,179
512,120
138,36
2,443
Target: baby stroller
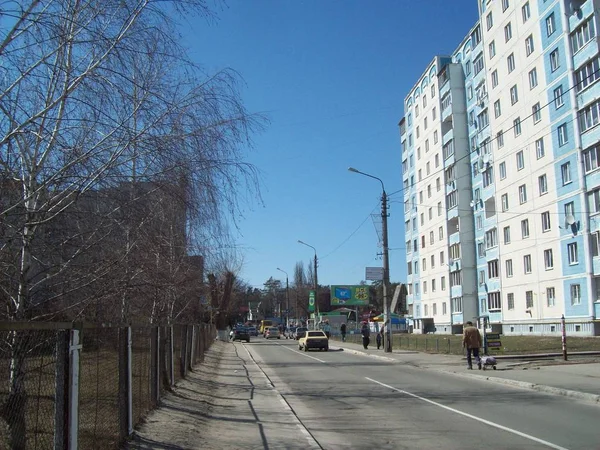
x,y
488,361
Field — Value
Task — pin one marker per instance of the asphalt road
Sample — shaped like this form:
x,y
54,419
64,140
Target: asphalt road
x,y
349,401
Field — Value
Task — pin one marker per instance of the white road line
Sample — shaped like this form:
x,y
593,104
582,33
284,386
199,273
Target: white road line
x,y
470,416
303,354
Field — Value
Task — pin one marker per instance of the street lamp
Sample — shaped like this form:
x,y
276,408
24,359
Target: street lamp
x,y
287,298
387,317
316,284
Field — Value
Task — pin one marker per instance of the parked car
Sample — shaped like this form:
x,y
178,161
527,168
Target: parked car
x,y
272,333
313,339
300,332
241,334
252,331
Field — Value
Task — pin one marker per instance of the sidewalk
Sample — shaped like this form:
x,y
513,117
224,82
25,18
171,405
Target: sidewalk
x,y
578,378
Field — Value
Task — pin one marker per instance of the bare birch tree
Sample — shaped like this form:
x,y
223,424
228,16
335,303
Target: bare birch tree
x,y
96,100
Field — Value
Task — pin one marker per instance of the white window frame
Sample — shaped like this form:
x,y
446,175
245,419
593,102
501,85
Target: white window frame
x,y
540,151
502,169
527,265
572,256
533,81
509,268
558,97
548,259
543,184
575,294
506,233
563,136
550,297
494,79
546,223
550,25
520,160
523,194
525,12
514,95
510,62
529,45
565,172
504,202
507,32
525,228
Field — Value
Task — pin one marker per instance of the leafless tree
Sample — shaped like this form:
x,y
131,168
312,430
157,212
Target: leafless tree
x,y
100,110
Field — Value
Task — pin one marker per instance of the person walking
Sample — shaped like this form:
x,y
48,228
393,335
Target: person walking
x,y
343,332
472,343
366,335
379,338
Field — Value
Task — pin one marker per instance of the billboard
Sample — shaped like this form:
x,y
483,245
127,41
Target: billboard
x,y
349,295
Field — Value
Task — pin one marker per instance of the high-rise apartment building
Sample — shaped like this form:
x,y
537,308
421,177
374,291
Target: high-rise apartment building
x,y
501,156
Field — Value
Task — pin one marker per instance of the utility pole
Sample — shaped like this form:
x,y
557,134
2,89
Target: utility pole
x,y
287,298
387,316
316,283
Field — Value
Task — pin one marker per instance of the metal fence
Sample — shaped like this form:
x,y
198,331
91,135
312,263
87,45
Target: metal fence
x,y
69,386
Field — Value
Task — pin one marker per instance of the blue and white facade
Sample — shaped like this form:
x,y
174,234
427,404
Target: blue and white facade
x,y
525,231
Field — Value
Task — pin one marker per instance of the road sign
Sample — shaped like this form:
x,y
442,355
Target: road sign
x,y
494,344
374,273
492,336
311,301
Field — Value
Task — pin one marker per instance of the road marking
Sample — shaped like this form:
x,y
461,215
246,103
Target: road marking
x,y
303,354
470,416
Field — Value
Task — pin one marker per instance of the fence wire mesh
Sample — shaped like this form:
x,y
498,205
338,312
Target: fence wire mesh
x,y
27,388
37,386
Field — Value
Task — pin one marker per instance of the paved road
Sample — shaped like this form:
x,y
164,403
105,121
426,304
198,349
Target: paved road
x,y
344,400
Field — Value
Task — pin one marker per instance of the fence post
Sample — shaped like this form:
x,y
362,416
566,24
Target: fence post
x,y
61,400
155,365
448,345
437,345
125,400
74,350
171,357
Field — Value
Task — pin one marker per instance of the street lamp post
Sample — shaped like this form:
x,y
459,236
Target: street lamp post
x,y
387,316
316,284
287,298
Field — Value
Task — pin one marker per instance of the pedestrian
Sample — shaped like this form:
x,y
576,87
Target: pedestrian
x,y
379,338
366,335
327,329
472,342
343,332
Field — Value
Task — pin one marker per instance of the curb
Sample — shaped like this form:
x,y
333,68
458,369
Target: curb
x,y
593,398
358,352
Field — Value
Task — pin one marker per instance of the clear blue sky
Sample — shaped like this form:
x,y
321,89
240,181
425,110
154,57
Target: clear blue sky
x,y
332,77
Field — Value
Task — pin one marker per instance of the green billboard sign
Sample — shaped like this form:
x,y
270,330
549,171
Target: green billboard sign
x,y
349,295
311,301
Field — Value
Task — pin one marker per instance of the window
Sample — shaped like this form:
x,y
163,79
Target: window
x,y
433,113
529,47
554,60
437,160
550,296
433,261
520,160
550,26
479,220
533,78
589,116
422,241
522,194
507,32
441,233
418,132
491,239
494,301
514,95
468,68
548,260
476,37
587,74
435,137
565,171
529,299
539,148
480,250
536,112
543,184
510,300
492,49
558,97
594,201
572,253
563,137
494,78
441,257
455,278
425,122
433,91
439,207
509,268
506,232
431,238
497,109
424,265
525,228
546,225
595,245
483,119
478,63
417,113
505,5
504,202
427,140
517,126
510,62
527,264
444,307
488,177
569,208
493,271
500,138
575,294
583,35
525,12
502,169
424,100
456,304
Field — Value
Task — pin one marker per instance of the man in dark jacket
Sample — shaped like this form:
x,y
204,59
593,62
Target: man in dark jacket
x,y
366,335
343,332
471,342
